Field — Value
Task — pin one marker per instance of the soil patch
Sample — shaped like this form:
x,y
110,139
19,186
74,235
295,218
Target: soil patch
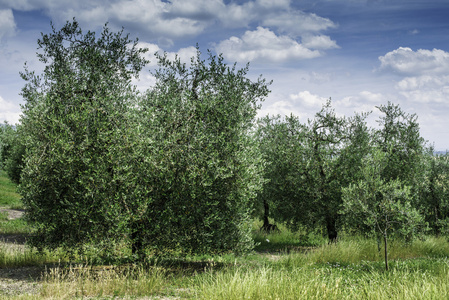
x,y
12,213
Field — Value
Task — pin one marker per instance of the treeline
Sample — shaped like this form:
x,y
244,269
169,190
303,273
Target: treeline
x,y
336,173
184,166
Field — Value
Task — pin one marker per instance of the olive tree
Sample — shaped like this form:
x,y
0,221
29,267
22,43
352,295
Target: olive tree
x,y
12,151
399,138
281,143
308,164
198,167
72,122
382,205
434,192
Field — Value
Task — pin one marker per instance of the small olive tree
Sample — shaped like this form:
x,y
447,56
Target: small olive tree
x,y
382,206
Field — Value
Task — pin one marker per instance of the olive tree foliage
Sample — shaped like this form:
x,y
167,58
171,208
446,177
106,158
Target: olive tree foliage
x,y
281,141
399,138
199,167
72,121
434,194
12,150
7,133
383,205
308,164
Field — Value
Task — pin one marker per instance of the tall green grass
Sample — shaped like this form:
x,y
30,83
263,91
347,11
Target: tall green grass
x,y
350,269
284,240
331,282
8,193
104,282
16,226
12,256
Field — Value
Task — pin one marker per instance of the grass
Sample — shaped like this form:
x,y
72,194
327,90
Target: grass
x,y
284,240
284,265
16,226
85,281
350,269
8,193
365,280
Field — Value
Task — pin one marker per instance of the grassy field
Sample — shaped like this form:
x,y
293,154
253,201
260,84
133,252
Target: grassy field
x,y
8,194
284,265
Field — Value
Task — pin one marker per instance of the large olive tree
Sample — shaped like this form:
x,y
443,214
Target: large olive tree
x,y
199,167
72,123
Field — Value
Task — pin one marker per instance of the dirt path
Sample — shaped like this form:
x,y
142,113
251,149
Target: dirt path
x,y
12,213
19,280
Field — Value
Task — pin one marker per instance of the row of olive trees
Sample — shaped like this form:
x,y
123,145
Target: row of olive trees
x,y
181,166
170,169
337,173
12,151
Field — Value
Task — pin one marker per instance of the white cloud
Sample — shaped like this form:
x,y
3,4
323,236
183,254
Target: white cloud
x,y
319,42
264,45
7,24
197,9
184,54
305,98
294,22
238,16
283,108
426,74
270,4
408,62
375,98
179,18
425,88
422,82
9,111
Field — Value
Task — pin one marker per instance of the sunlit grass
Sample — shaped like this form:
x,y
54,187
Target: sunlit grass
x,y
8,193
85,281
13,255
353,268
366,280
284,265
16,226
283,239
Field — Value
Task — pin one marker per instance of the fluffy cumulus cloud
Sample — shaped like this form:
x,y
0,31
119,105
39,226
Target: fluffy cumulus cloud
x,y
426,73
7,23
307,99
425,88
264,45
180,18
408,62
322,42
423,82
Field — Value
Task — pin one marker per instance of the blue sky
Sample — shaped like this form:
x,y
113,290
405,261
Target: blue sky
x,y
361,53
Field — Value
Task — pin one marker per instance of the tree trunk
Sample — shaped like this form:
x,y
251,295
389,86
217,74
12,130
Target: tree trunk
x,y
386,252
136,240
379,242
331,229
267,227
